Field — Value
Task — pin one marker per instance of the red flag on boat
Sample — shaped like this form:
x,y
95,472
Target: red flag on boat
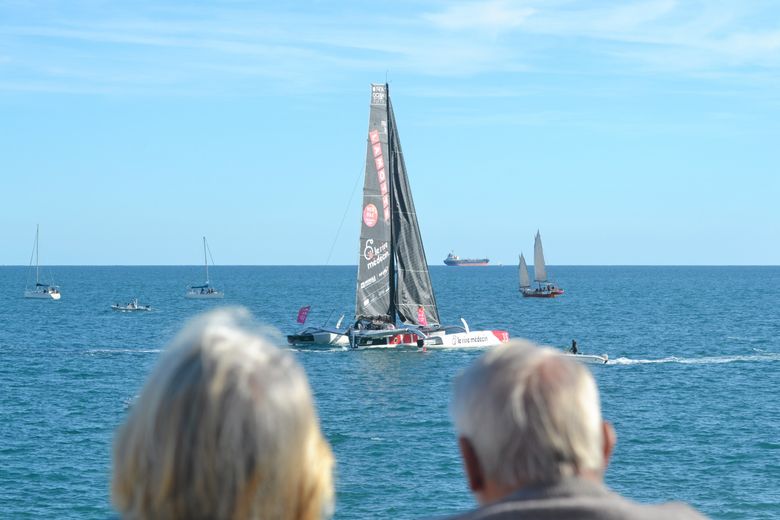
x,y
421,319
302,313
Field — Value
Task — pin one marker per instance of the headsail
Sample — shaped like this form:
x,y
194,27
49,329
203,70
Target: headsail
x,y
375,281
540,272
415,301
525,281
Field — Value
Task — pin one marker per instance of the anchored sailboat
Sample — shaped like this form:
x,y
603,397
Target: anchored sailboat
x,y
40,290
545,288
204,291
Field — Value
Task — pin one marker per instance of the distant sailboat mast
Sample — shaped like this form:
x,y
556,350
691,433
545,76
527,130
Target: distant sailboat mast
x,y
37,279
206,260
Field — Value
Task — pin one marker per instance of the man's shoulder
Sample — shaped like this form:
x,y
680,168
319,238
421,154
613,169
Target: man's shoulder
x,y
601,506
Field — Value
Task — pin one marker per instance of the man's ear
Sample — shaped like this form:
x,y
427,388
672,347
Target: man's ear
x,y
610,439
472,466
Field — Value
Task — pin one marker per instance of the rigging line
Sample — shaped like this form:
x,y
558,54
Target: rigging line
x,y
343,217
209,250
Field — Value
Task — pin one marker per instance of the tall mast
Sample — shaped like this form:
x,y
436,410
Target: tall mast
x,y
206,260
392,172
37,228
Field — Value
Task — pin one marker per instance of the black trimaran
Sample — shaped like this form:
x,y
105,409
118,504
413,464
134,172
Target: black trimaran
x,y
394,303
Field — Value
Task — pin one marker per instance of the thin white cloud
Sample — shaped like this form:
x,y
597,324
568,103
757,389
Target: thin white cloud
x,y
232,46
493,16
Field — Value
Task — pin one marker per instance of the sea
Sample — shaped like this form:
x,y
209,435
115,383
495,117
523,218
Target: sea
x,y
691,386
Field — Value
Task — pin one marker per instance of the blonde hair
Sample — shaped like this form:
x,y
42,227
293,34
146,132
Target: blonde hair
x,y
224,428
531,414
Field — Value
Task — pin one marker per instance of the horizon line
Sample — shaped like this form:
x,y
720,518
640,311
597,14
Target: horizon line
x,y
49,266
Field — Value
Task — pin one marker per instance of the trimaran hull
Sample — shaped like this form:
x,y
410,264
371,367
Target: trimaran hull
x,y
460,340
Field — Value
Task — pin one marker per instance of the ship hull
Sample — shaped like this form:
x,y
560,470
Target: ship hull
x,y
466,263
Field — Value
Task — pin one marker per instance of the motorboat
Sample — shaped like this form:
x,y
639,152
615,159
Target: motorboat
x,y
131,306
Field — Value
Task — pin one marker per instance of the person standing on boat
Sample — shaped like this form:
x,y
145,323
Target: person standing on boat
x,y
531,451
573,348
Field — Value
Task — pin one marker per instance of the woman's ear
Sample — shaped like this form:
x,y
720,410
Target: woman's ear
x,y
610,439
471,464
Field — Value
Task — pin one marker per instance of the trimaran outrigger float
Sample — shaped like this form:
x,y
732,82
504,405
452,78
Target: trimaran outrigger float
x,y
394,304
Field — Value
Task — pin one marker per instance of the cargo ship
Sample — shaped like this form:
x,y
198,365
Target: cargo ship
x,y
455,260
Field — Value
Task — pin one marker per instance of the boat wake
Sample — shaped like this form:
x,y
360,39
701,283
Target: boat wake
x,y
710,360
122,351
320,349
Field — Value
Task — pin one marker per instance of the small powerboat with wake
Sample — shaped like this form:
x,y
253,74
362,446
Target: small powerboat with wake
x,y
132,306
575,353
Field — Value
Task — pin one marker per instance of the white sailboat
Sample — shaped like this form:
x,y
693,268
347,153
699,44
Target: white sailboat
x,y
205,291
544,288
40,290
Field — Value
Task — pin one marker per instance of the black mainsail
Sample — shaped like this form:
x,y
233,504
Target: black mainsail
x,y
375,283
393,276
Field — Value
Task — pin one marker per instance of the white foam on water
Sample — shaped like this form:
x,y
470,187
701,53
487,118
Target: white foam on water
x,y
710,360
123,351
743,339
314,350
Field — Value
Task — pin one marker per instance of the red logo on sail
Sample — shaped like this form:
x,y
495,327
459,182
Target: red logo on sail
x,y
302,313
370,215
379,163
421,319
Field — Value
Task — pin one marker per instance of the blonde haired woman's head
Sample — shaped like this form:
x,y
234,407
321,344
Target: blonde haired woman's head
x,y
224,428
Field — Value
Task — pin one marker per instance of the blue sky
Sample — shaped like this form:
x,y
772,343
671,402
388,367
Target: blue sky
x,y
637,132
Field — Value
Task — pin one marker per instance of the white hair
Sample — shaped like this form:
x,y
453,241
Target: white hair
x,y
531,414
224,428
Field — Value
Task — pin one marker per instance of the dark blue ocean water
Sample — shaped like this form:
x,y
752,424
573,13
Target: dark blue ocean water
x,y
693,391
